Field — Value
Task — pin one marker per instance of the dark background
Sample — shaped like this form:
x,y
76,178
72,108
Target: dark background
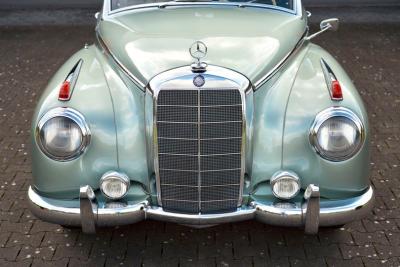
x,y
97,3
36,37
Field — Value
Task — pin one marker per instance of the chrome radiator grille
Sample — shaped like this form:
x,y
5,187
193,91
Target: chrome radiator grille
x,y
199,146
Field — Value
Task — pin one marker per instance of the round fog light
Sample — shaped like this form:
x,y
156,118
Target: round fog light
x,y
114,185
285,184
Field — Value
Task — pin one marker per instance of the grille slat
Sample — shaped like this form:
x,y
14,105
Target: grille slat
x,y
199,144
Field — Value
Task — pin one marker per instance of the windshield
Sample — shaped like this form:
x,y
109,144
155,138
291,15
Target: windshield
x,y
117,4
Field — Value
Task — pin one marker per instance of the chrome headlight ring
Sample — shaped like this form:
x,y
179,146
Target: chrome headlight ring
x,y
74,116
114,177
337,112
289,180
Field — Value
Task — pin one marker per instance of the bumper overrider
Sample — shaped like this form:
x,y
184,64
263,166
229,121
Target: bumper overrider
x,y
310,213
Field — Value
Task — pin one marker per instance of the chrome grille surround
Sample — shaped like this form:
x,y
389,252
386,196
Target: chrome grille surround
x,y
183,93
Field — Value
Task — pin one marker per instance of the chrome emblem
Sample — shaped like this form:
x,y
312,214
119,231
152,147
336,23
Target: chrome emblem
x,y
198,50
199,80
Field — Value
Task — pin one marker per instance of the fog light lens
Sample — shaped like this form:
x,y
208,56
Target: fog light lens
x,y
285,184
114,185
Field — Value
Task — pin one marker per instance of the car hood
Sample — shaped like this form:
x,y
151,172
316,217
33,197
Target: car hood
x,y
249,40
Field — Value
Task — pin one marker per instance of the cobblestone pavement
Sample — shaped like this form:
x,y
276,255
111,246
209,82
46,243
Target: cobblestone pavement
x,y
29,57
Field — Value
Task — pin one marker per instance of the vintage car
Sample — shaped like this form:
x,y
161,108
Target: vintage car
x,y
201,113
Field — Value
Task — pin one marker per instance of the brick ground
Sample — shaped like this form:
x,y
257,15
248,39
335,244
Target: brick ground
x,y
29,57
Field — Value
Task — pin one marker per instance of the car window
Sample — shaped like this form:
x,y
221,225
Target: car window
x,y
116,4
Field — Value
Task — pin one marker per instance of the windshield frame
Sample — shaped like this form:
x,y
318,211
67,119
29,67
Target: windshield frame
x,y
297,6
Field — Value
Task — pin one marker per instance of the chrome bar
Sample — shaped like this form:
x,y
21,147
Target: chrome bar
x,y
312,207
88,209
335,212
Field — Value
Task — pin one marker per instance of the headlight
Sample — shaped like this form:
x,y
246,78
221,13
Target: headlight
x,y
114,185
337,134
285,184
62,134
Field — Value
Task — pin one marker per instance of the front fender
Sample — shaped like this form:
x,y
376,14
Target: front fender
x,y
308,97
284,110
91,97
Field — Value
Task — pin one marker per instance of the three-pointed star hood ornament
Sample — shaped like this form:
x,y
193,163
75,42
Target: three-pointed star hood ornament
x,y
198,50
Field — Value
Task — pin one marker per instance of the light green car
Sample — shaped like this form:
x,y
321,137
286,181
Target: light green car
x,y
201,113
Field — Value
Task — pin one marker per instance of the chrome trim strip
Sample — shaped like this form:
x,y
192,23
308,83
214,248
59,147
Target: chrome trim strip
x,y
329,78
102,45
181,185
282,63
331,213
330,113
203,139
295,11
194,201
221,122
201,170
182,78
186,106
200,155
72,77
75,116
202,68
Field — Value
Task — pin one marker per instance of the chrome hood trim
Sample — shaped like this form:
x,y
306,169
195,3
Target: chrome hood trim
x,y
144,50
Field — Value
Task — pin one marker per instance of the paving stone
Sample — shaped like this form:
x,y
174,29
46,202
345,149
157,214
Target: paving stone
x,y
235,263
123,262
283,251
113,250
11,216
149,252
4,238
73,262
356,262
267,237
44,253
51,238
24,263
317,251
394,238
79,252
369,238
335,236
306,263
155,262
197,263
378,263
387,252
25,240
9,254
250,251
22,228
265,262
40,226
217,251
45,263
387,225
180,250
350,252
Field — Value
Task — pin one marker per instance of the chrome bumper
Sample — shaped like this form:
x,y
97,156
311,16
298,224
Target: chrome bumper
x,y
310,213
